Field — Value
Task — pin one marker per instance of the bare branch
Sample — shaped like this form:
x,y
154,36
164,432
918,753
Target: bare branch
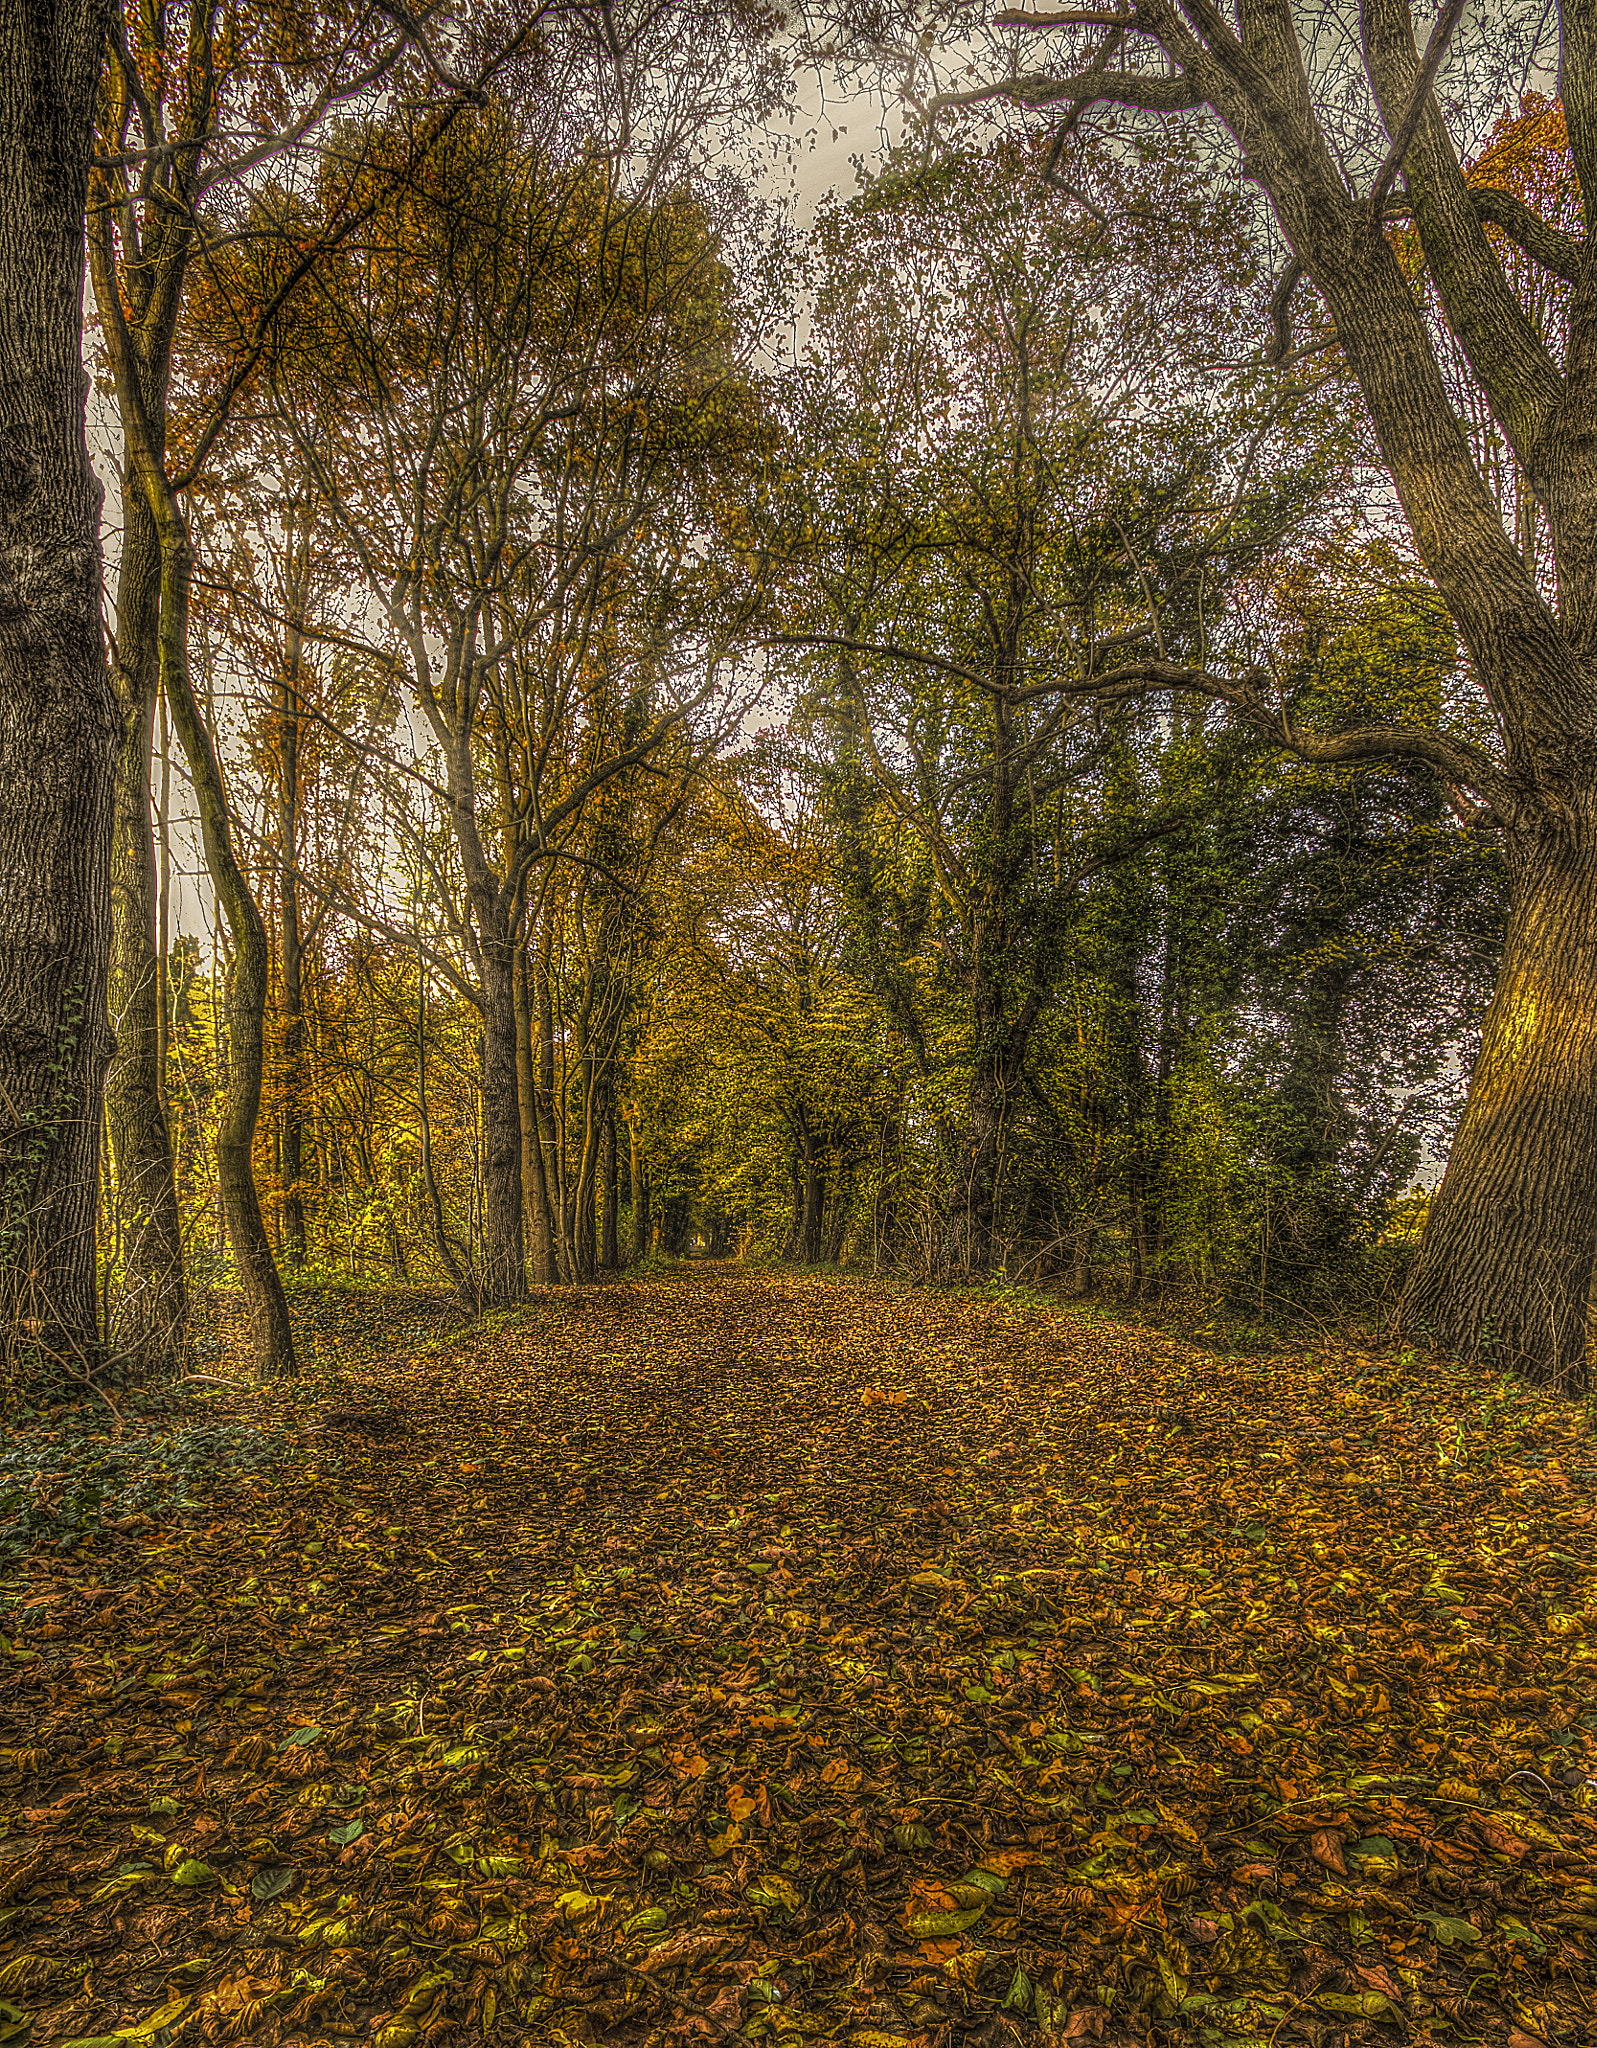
x,y
1281,312
1554,250
887,649
1459,763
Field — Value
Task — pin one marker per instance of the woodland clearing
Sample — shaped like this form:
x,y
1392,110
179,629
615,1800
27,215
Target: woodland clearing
x,y
742,1656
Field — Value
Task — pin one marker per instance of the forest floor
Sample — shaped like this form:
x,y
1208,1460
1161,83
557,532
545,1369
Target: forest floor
x,y
739,1657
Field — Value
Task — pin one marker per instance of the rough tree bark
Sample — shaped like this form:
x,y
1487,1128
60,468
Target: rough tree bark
x,y
150,1311
59,727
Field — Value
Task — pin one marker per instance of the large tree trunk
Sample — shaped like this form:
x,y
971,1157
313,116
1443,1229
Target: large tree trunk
x,y
1504,1270
150,1312
59,727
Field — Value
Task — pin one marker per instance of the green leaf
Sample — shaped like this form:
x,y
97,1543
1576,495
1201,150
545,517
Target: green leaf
x,y
302,1738
987,1881
1018,1996
943,1926
1448,1930
191,1871
346,1832
271,1884
1369,2005
1516,1930
773,1895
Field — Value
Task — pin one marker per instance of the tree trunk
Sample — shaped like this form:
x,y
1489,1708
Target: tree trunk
x,y
609,1250
248,975
640,1203
59,728
981,1168
549,1136
534,1180
435,1207
837,1222
150,1313
809,1247
293,990
584,1203
1504,1269
504,1269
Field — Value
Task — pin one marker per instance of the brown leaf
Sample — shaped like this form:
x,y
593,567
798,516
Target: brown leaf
x,y
1084,2024
1326,1847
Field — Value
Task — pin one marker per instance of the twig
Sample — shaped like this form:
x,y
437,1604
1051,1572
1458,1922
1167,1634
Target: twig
x,y
728,2033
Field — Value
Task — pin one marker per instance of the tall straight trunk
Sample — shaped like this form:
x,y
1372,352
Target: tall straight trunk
x,y
59,724
640,1199
503,1258
545,1094
292,1018
795,1220
163,917
981,1166
534,1179
150,1311
435,1208
1505,1266
584,1207
609,1250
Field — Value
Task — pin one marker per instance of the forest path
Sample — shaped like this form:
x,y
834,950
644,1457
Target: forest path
x,y
753,1656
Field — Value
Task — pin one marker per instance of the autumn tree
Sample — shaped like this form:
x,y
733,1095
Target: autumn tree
x,y
192,103
505,396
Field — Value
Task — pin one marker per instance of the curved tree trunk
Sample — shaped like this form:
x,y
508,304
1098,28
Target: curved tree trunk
x,y
1504,1270
150,1311
59,728
245,997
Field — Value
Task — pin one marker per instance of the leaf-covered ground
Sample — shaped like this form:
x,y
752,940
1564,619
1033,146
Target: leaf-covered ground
x,y
744,1658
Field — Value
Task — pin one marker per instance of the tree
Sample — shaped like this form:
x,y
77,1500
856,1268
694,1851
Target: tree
x,y
979,526
1505,1265
506,396
59,725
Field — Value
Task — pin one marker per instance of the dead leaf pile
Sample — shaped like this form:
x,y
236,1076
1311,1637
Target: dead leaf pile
x,y
737,1657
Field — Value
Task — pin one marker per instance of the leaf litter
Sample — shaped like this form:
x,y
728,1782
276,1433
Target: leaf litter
x,y
747,1657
